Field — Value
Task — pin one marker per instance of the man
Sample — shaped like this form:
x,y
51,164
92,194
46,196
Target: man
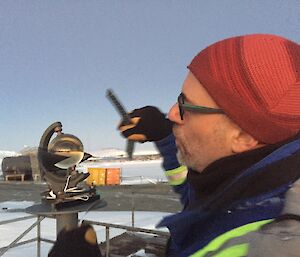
x,y
236,127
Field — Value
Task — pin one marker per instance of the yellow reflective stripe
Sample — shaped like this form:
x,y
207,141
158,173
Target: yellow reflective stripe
x,y
234,251
216,243
176,171
176,182
177,176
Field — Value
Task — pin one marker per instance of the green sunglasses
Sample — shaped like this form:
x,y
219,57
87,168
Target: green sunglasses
x,y
194,108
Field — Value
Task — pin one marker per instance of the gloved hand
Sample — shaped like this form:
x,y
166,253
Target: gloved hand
x,y
78,242
148,124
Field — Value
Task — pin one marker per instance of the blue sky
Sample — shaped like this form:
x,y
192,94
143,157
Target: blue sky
x,y
57,58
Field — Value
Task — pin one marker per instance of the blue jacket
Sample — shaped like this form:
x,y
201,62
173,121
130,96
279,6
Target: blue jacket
x,y
198,224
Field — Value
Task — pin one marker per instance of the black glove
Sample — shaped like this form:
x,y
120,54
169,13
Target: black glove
x,y
148,124
78,242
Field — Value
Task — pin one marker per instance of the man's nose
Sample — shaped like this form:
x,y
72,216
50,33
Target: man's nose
x,y
174,114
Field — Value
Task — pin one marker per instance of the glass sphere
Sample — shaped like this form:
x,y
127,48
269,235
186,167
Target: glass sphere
x,y
69,146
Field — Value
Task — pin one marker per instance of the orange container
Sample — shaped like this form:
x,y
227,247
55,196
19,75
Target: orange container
x,y
97,176
113,176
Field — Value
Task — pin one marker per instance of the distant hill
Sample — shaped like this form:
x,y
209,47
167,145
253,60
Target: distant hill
x,y
4,153
108,152
114,153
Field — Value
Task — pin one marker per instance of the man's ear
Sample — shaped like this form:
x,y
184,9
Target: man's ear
x,y
242,141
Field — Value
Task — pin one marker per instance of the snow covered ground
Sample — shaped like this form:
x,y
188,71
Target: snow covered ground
x,y
10,232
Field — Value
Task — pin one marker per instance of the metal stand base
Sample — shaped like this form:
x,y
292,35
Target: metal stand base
x,y
65,217
68,221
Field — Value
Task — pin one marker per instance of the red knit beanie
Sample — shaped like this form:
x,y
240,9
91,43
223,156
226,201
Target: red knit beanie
x,y
255,79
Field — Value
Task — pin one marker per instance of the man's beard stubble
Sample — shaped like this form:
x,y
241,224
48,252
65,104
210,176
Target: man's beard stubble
x,y
186,154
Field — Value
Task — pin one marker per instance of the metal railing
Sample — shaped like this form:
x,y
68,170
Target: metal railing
x,y
16,242
39,239
127,228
